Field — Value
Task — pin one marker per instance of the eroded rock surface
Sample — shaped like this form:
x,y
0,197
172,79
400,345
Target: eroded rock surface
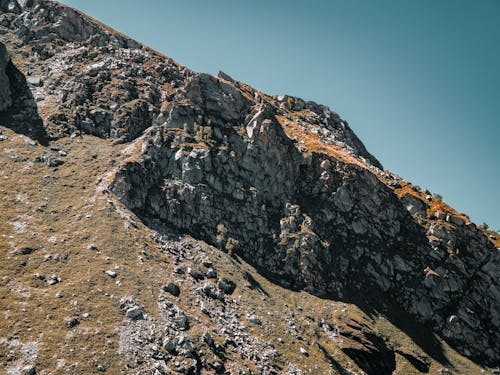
x,y
283,183
219,166
306,219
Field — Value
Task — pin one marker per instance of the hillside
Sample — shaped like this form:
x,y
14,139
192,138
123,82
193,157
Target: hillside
x,y
155,220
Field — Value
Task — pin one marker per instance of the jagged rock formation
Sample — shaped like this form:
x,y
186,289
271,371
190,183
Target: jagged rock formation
x,y
309,220
279,182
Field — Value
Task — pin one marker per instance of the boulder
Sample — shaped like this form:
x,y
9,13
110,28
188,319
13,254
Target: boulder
x,y
227,286
134,313
36,81
414,205
173,289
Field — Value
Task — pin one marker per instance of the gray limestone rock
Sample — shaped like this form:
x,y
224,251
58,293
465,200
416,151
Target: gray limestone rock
x,y
309,220
227,286
35,81
414,205
72,322
134,313
213,158
173,289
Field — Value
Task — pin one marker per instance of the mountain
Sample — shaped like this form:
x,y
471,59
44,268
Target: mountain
x,y
155,220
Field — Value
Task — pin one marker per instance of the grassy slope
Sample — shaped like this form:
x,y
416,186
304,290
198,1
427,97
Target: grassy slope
x,y
60,211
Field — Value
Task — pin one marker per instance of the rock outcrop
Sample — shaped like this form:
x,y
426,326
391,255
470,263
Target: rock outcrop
x,y
280,182
19,110
306,219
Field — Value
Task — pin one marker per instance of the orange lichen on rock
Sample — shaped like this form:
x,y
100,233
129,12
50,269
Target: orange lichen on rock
x,y
312,143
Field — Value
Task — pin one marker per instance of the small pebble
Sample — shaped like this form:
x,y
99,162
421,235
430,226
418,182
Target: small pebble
x,y
111,273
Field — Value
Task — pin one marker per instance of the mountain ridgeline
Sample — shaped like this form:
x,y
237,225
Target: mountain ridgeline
x,y
283,185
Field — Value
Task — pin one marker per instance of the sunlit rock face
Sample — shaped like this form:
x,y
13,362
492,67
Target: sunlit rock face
x,y
279,181
217,164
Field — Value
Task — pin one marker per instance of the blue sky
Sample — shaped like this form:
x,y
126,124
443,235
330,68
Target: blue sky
x,y
418,81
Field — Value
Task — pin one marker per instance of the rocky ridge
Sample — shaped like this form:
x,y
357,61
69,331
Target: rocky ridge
x,y
276,181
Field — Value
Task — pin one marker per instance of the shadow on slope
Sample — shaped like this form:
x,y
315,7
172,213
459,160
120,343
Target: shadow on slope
x,y
22,116
374,304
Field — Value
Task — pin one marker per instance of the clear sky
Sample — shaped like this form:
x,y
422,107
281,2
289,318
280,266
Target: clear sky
x,y
417,80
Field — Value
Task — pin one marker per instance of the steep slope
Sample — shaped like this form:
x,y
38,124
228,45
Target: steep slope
x,y
143,171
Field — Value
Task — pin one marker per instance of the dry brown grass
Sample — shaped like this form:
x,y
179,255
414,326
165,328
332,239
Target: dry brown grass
x,y
63,213
494,237
312,143
62,216
60,211
435,205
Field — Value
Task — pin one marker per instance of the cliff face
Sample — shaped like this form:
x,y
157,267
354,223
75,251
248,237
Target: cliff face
x,y
282,183
324,223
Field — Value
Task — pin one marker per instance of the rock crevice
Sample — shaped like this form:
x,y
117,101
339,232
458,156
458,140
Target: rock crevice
x,y
281,182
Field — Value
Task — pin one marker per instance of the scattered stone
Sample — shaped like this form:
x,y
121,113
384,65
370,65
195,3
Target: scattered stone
x,y
24,251
227,286
207,263
54,279
173,289
50,160
182,321
111,273
170,345
53,162
210,291
211,274
40,277
209,340
29,370
195,274
395,184
35,81
204,310
218,366
304,352
134,313
181,270
72,322
254,319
